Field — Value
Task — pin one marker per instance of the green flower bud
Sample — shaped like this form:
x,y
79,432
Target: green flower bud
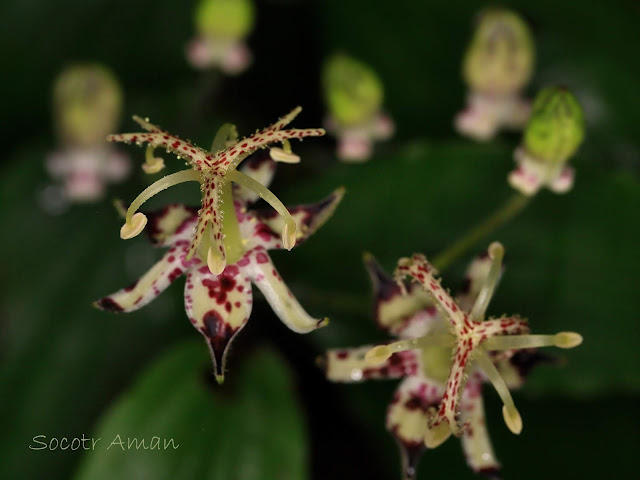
x,y
353,91
501,55
224,18
556,127
87,103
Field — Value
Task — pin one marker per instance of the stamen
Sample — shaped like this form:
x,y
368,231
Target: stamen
x,y
284,154
152,164
289,230
226,136
135,222
381,353
509,342
509,411
134,226
496,252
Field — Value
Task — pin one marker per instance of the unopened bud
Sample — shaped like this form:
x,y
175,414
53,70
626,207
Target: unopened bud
x,y
87,103
353,91
556,127
224,19
500,58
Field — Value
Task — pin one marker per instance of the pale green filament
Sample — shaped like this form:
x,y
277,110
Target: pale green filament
x,y
381,353
514,342
230,227
286,146
225,135
509,411
162,184
496,252
289,231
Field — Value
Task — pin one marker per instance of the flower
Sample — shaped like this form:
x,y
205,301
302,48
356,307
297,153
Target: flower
x,y
444,358
87,106
353,93
222,26
217,236
222,247
553,134
219,305
497,66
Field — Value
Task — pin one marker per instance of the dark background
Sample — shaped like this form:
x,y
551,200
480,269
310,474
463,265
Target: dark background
x,y
572,260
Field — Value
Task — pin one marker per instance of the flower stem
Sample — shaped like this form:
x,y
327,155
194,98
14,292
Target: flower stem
x,y
511,207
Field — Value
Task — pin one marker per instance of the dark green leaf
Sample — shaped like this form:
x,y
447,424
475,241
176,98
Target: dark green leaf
x,y
251,429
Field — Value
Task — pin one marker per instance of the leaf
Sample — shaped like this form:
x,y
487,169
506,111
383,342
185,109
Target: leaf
x,y
252,432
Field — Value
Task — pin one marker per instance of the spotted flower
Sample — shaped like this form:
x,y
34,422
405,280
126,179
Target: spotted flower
x,y
228,250
446,351
497,66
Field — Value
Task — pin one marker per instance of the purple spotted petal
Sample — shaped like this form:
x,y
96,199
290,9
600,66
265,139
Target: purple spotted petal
x,y
401,315
407,418
266,225
476,443
514,366
171,224
218,306
348,365
264,275
171,266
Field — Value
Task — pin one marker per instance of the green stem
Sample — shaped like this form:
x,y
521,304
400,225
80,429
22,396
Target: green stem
x,y
512,206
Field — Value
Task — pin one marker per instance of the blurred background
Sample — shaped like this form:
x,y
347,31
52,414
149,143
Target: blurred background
x,y
67,369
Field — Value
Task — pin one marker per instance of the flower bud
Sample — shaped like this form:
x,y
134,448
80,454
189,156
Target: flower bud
x,y
556,127
87,103
231,19
500,58
353,91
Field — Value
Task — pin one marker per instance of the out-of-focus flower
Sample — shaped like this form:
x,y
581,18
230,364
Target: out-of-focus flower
x,y
222,27
222,248
87,105
446,352
553,135
354,94
497,66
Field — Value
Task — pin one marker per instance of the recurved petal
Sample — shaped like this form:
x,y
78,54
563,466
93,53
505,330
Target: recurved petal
x,y
402,315
348,365
261,168
263,273
476,443
218,306
150,285
171,224
407,418
268,225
